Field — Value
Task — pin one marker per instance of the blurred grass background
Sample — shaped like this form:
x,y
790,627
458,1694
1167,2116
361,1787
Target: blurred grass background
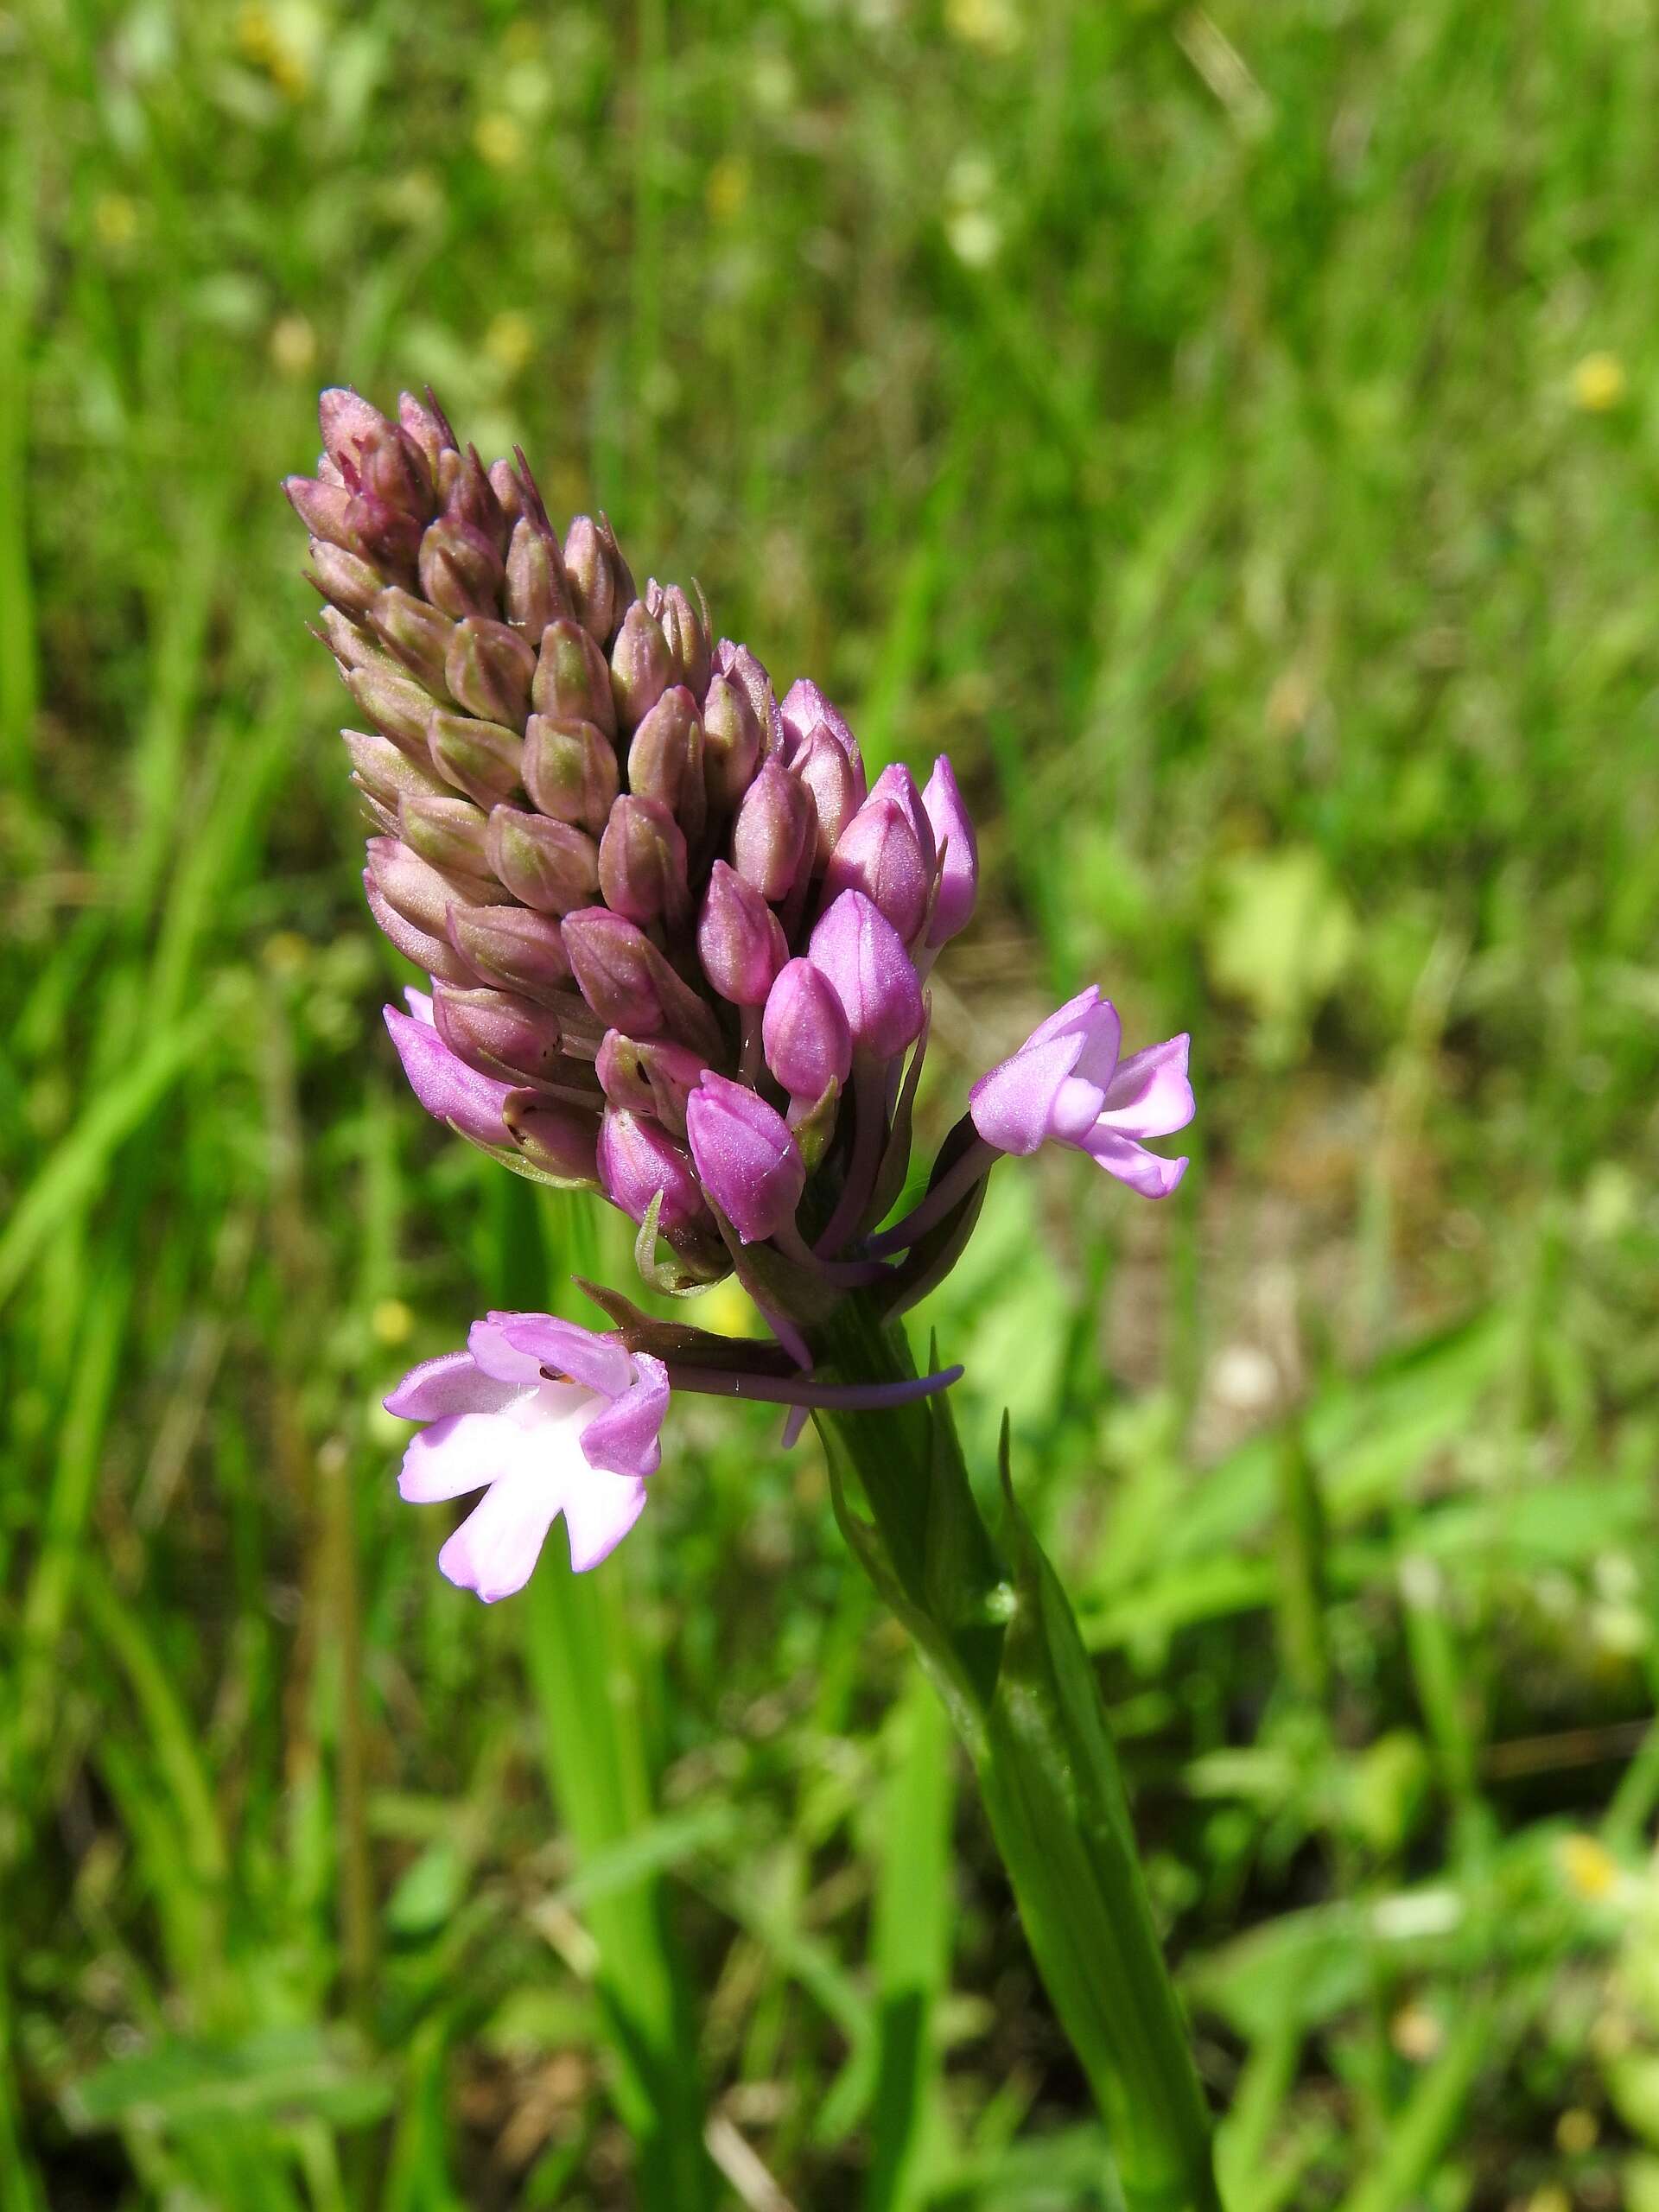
x,y
1235,434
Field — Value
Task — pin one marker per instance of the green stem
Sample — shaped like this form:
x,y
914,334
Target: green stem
x,y
993,1630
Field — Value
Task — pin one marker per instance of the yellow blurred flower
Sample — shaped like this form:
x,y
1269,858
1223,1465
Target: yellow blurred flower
x,y
726,1309
993,25
114,219
1552,2197
510,341
1599,383
1590,1867
1576,2131
286,953
283,45
293,346
728,188
500,140
392,1321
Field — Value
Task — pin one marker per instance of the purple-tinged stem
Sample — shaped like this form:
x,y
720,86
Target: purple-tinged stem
x,y
785,1390
845,1274
951,1188
869,1128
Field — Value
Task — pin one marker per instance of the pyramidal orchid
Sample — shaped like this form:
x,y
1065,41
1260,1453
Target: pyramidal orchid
x,y
676,948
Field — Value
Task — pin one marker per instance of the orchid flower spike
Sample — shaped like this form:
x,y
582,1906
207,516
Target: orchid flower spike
x,y
544,1418
1067,1082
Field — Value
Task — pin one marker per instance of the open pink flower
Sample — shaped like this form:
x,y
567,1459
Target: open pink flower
x,y
1067,1082
544,1418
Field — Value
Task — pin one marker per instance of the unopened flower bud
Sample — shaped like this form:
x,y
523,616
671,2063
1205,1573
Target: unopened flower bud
x,y
642,862
807,1042
461,570
446,1086
394,703
551,866
773,837
385,771
629,984
958,867
731,744
862,958
595,588
469,496
536,593
480,758
572,681
416,632
665,759
648,1076
805,709
448,832
420,892
740,666
392,467
686,629
642,667
514,949
569,770
381,535
488,667
351,645
430,430
896,782
561,1140
346,580
747,1161
499,1033
346,418
504,482
637,1160
434,955
740,942
824,767
877,854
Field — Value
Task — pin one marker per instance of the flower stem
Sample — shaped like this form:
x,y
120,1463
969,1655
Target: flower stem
x,y
992,1628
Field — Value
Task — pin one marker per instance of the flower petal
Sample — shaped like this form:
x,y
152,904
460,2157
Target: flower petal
x,y
1102,1036
462,1451
597,1362
445,1085
600,1508
1150,1095
498,1543
1143,1171
497,1357
452,1383
626,1438
1013,1106
1067,1019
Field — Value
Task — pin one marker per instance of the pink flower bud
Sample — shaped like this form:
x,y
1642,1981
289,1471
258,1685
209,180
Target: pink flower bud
x,y
642,863
804,709
387,771
431,954
569,770
461,570
750,1164
879,856
447,831
636,1160
418,634
629,984
822,766
512,949
740,940
772,839
808,1043
593,577
416,890
480,758
346,418
953,833
572,682
896,782
562,1140
352,584
446,1086
489,669
738,665
499,1033
731,744
665,759
650,1076
642,667
686,629
536,593
856,949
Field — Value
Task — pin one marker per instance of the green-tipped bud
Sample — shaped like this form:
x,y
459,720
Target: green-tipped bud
x,y
619,569
489,669
469,496
508,490
642,667
642,863
512,949
536,594
572,682
686,628
350,646
665,760
416,633
385,772
449,832
569,770
480,758
347,581
394,702
435,956
430,430
731,745
419,891
461,570
549,865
